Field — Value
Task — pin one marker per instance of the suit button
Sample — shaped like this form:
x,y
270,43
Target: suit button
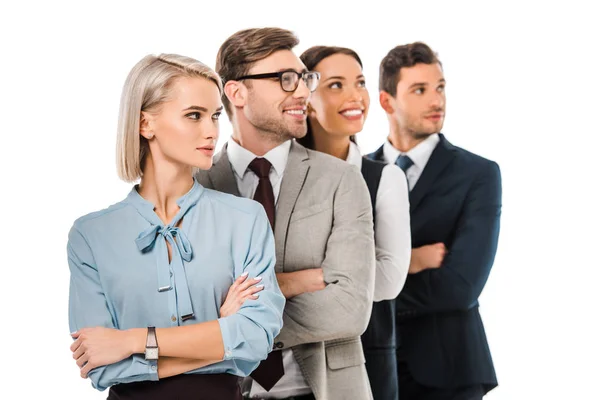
x,y
278,345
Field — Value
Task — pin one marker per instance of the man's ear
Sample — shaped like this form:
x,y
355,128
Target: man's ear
x,y
236,92
386,102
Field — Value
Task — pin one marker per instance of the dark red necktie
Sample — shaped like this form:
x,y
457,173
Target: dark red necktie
x,y
270,370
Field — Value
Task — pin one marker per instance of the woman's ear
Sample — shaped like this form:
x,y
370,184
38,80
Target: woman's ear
x,y
146,125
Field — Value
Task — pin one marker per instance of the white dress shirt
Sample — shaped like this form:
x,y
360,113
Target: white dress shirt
x,y
292,383
419,155
392,229
247,181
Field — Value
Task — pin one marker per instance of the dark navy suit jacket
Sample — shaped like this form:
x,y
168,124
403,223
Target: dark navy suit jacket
x,y
456,201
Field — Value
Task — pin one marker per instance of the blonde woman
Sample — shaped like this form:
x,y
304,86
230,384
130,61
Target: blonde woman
x,y
164,298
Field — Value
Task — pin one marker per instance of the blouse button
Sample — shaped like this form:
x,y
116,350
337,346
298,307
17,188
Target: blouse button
x,y
173,318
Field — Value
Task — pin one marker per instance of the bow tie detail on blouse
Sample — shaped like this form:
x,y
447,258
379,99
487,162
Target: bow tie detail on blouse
x,y
157,236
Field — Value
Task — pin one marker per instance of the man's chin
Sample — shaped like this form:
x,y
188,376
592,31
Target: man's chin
x,y
297,131
423,135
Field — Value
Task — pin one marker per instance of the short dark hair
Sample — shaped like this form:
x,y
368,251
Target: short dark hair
x,y
311,58
244,48
400,57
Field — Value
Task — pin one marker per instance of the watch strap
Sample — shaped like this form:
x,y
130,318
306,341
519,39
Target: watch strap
x,y
151,338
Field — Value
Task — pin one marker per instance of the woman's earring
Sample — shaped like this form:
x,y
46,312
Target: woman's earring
x,y
150,136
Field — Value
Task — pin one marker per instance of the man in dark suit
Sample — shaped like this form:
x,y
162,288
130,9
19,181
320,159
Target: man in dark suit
x,y
455,204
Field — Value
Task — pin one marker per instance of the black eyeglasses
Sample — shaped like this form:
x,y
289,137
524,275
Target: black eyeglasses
x,y
290,79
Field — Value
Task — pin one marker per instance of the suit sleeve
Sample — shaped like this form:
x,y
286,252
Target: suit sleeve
x,y
343,308
88,308
458,283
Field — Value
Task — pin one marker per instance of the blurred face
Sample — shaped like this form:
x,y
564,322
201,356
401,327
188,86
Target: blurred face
x,y
184,130
268,107
341,102
420,103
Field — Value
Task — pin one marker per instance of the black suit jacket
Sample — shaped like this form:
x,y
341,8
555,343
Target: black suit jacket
x,y
457,201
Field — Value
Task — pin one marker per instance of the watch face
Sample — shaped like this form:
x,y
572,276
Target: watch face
x,y
151,353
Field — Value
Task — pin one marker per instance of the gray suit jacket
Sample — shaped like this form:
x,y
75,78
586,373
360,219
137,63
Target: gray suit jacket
x,y
323,219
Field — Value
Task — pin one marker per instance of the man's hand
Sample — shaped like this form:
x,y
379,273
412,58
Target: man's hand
x,y
427,257
298,282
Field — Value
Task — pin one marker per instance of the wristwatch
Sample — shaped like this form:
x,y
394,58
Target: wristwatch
x,y
151,344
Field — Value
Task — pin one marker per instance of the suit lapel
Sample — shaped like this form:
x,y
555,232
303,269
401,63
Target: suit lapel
x,y
294,176
377,155
221,174
440,158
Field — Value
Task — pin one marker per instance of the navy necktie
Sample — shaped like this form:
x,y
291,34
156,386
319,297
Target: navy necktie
x,y
404,162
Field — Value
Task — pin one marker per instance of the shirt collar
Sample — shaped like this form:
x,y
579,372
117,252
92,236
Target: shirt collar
x,y
240,157
146,208
419,154
354,156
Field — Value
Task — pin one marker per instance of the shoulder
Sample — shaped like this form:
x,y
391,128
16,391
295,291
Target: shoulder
x,y
480,170
325,162
477,164
202,177
228,203
100,217
96,223
332,169
393,183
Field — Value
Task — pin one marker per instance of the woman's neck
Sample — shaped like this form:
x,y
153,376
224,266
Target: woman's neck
x,y
332,144
163,184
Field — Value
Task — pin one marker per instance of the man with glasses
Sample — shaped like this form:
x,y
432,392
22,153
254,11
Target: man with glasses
x,y
319,209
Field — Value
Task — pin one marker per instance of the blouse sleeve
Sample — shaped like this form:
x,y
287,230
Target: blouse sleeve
x,y
248,335
392,234
88,308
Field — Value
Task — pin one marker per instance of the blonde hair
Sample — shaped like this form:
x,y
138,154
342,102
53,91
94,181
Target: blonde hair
x,y
146,88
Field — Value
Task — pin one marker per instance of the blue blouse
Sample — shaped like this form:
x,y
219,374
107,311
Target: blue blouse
x,y
121,276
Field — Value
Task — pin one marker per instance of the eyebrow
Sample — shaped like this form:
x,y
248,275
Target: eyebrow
x,y
292,69
417,84
342,78
425,83
198,108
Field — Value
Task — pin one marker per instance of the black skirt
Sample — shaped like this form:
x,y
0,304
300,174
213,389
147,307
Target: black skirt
x,y
181,387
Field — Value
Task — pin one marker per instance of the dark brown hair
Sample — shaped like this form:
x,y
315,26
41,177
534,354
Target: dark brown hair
x,y
400,57
244,48
311,58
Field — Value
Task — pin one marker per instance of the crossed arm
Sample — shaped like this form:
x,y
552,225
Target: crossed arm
x,y
338,305
244,332
453,279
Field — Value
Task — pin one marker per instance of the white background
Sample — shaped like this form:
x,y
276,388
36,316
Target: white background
x,y
523,86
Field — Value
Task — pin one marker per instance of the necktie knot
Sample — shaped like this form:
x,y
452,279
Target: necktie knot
x,y
404,162
261,167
